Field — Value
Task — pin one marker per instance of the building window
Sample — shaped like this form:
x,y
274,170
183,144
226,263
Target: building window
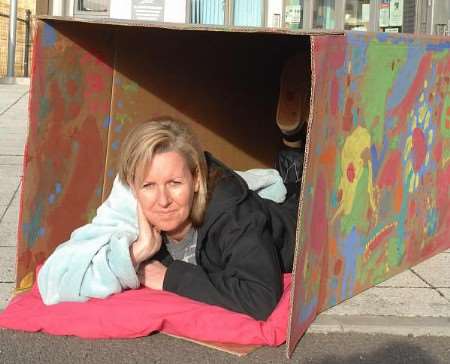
x,y
210,12
92,8
324,14
248,13
217,12
357,15
293,14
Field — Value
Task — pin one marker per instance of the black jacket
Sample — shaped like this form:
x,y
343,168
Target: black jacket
x,y
244,245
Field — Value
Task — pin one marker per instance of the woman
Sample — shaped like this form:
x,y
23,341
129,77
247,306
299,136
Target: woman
x,y
202,233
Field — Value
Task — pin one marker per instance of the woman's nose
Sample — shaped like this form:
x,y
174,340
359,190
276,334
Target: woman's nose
x,y
164,197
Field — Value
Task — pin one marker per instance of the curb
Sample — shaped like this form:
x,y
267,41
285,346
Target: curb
x,y
392,325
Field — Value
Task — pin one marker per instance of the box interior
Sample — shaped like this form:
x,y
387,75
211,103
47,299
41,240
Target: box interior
x,y
224,84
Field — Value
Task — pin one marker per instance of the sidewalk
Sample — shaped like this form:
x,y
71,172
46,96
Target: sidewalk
x,y
415,302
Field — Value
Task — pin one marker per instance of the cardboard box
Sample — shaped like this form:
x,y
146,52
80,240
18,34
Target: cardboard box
x,y
375,196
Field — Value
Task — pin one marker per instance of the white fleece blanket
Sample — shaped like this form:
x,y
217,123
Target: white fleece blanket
x,y
95,261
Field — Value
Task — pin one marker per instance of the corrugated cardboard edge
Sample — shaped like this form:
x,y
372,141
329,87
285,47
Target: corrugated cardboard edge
x,y
228,29
111,105
18,289
235,349
299,246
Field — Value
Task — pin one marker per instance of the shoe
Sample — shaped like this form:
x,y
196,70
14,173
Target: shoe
x,y
290,166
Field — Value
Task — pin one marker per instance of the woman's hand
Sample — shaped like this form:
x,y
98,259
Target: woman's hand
x,y
152,275
149,241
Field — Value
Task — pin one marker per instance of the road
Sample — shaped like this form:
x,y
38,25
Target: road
x,y
18,347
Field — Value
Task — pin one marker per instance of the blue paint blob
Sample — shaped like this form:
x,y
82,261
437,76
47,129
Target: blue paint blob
x,y
359,51
58,188
49,36
51,198
118,128
351,247
115,145
98,191
432,222
75,146
120,104
438,47
110,173
378,159
308,309
334,201
32,230
106,122
382,37
41,231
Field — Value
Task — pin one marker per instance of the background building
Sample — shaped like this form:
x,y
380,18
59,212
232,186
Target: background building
x,y
25,11
410,16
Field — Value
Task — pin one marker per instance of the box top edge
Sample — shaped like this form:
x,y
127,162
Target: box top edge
x,y
183,26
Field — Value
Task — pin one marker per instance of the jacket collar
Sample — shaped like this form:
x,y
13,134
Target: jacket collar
x,y
225,188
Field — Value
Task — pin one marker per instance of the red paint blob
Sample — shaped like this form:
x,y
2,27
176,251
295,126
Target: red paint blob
x,y
319,222
411,208
334,96
338,267
419,147
351,172
347,120
71,87
438,152
389,173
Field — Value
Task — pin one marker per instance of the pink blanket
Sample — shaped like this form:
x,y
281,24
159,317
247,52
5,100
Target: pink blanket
x,y
136,313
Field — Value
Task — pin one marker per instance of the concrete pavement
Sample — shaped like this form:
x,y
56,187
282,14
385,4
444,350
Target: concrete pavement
x,y
415,302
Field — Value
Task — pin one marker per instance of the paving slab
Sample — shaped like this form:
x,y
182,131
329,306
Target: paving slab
x,y
400,302
11,160
10,170
9,187
445,292
8,225
6,292
8,234
7,264
432,269
404,279
406,326
9,95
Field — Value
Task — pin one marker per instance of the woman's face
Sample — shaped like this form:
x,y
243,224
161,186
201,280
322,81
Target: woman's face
x,y
167,192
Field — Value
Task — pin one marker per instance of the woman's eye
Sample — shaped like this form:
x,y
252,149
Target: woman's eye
x,y
175,183
149,185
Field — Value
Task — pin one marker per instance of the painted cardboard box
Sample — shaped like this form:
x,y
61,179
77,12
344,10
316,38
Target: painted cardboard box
x,y
376,184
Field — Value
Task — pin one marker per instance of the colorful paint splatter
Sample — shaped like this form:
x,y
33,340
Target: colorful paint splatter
x,y
384,102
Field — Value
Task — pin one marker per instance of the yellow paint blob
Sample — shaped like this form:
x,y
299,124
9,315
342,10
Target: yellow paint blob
x,y
26,282
355,152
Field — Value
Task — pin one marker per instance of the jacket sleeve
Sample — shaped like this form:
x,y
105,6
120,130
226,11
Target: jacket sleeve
x,y
249,279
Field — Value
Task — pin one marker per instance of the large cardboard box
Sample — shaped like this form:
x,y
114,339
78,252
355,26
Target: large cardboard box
x,y
375,198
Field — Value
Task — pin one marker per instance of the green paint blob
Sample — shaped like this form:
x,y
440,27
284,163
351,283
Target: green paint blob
x,y
358,215
439,56
44,108
365,269
393,142
395,252
384,61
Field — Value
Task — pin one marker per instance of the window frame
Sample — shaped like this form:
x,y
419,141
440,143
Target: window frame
x,y
91,13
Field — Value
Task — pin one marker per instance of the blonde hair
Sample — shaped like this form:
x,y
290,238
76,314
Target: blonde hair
x,y
153,137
